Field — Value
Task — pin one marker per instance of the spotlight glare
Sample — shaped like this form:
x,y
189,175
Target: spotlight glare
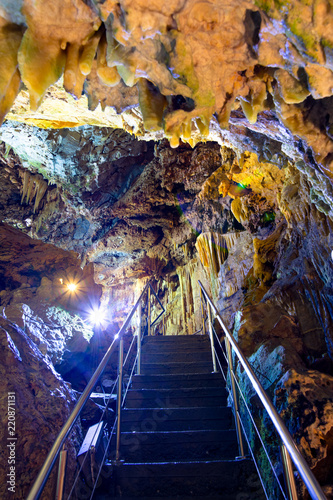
x,y
72,287
97,316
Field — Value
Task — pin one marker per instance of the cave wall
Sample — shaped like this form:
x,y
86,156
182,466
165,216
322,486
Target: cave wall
x,y
184,141
252,231
40,322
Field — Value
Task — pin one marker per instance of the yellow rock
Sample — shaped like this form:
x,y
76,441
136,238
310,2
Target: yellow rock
x,y
291,90
10,39
71,67
239,211
88,53
108,75
152,104
8,98
174,141
41,63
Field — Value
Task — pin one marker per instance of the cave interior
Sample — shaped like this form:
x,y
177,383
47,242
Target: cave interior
x,y
165,143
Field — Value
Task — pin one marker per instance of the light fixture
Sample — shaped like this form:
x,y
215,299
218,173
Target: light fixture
x,y
72,287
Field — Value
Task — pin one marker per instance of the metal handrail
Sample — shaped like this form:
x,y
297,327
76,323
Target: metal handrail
x,y
45,471
310,481
289,480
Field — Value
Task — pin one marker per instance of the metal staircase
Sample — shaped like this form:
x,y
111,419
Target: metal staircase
x,y
177,438
174,435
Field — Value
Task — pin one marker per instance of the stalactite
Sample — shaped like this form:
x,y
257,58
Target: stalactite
x,y
41,187
212,251
188,282
231,239
34,186
180,272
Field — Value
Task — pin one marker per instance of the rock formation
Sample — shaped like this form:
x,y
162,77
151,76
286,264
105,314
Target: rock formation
x,y
178,140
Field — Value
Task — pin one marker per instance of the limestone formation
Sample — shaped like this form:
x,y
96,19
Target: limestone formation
x,y
171,141
190,60
43,401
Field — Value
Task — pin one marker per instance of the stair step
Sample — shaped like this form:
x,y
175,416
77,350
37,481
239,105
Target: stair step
x,y
177,393
199,367
227,478
181,445
178,497
176,338
178,381
177,357
162,398
176,348
176,419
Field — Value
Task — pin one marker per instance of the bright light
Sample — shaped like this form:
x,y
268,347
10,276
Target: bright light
x,y
116,336
97,316
72,287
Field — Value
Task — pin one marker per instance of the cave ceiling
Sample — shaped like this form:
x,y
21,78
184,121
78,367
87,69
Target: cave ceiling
x,y
129,129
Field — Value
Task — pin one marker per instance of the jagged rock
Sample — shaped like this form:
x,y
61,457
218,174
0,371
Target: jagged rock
x,y
43,401
61,331
256,324
304,400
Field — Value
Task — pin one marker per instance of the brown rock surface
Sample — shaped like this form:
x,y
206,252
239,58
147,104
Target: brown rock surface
x,y
248,210
304,400
34,295
43,401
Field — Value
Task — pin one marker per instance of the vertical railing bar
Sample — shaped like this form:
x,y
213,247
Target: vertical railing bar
x,y
119,398
158,300
211,337
138,366
259,436
255,462
86,455
288,473
103,459
61,474
149,312
235,399
202,313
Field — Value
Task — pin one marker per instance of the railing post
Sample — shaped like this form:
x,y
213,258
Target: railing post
x,y
138,366
288,473
202,313
119,395
61,474
235,400
211,336
149,310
